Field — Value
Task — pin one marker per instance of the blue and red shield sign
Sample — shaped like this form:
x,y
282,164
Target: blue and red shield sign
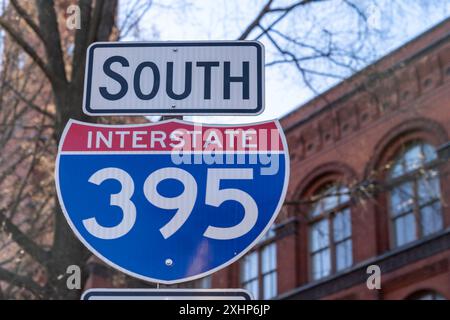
x,y
171,201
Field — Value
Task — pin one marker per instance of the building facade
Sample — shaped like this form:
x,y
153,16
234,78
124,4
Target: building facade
x,y
369,186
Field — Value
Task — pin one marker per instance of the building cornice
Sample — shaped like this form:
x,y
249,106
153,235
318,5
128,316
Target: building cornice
x,y
419,46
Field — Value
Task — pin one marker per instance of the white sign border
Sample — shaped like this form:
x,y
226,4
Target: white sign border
x,y
166,112
200,275
176,292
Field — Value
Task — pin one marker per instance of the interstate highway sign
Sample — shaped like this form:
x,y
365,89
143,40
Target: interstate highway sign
x,y
171,201
174,78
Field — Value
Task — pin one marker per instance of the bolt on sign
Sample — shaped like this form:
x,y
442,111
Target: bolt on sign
x,y
174,78
171,201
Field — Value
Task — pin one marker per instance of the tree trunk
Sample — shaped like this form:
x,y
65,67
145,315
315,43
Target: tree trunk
x,y
67,249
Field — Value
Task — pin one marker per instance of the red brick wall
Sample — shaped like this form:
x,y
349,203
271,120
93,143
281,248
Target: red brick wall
x,y
350,137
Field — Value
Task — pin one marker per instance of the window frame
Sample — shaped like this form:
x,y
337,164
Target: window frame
x,y
329,216
412,177
258,250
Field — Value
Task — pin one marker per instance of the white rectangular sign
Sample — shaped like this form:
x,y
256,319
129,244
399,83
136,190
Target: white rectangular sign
x,y
166,294
174,78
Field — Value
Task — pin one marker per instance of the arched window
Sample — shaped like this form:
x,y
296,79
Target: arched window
x,y
426,295
330,242
259,268
414,198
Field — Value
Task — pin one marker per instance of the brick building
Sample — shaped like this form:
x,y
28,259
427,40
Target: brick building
x,y
369,185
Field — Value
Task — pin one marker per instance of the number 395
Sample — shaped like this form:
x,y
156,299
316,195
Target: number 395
x,y
183,203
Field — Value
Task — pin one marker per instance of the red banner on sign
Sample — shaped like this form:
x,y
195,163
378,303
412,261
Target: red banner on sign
x,y
173,135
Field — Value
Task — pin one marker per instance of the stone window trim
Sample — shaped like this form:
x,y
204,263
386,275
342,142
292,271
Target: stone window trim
x,y
426,130
332,171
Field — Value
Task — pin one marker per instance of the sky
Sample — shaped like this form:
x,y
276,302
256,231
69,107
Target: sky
x,y
285,89
392,23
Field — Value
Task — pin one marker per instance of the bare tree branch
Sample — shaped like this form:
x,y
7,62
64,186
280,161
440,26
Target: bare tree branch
x,y
28,49
107,21
81,40
22,239
292,6
102,20
21,11
52,42
256,21
285,11
30,103
20,281
31,247
95,21
141,10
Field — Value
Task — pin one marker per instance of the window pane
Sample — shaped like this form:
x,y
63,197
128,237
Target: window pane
x,y
405,229
401,198
321,264
427,295
428,187
344,195
270,285
269,258
413,158
342,225
319,235
316,209
431,218
202,283
249,269
253,288
344,257
397,169
429,152
331,198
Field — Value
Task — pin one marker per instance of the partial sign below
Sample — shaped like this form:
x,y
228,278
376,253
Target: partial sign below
x,y
171,201
174,78
166,294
